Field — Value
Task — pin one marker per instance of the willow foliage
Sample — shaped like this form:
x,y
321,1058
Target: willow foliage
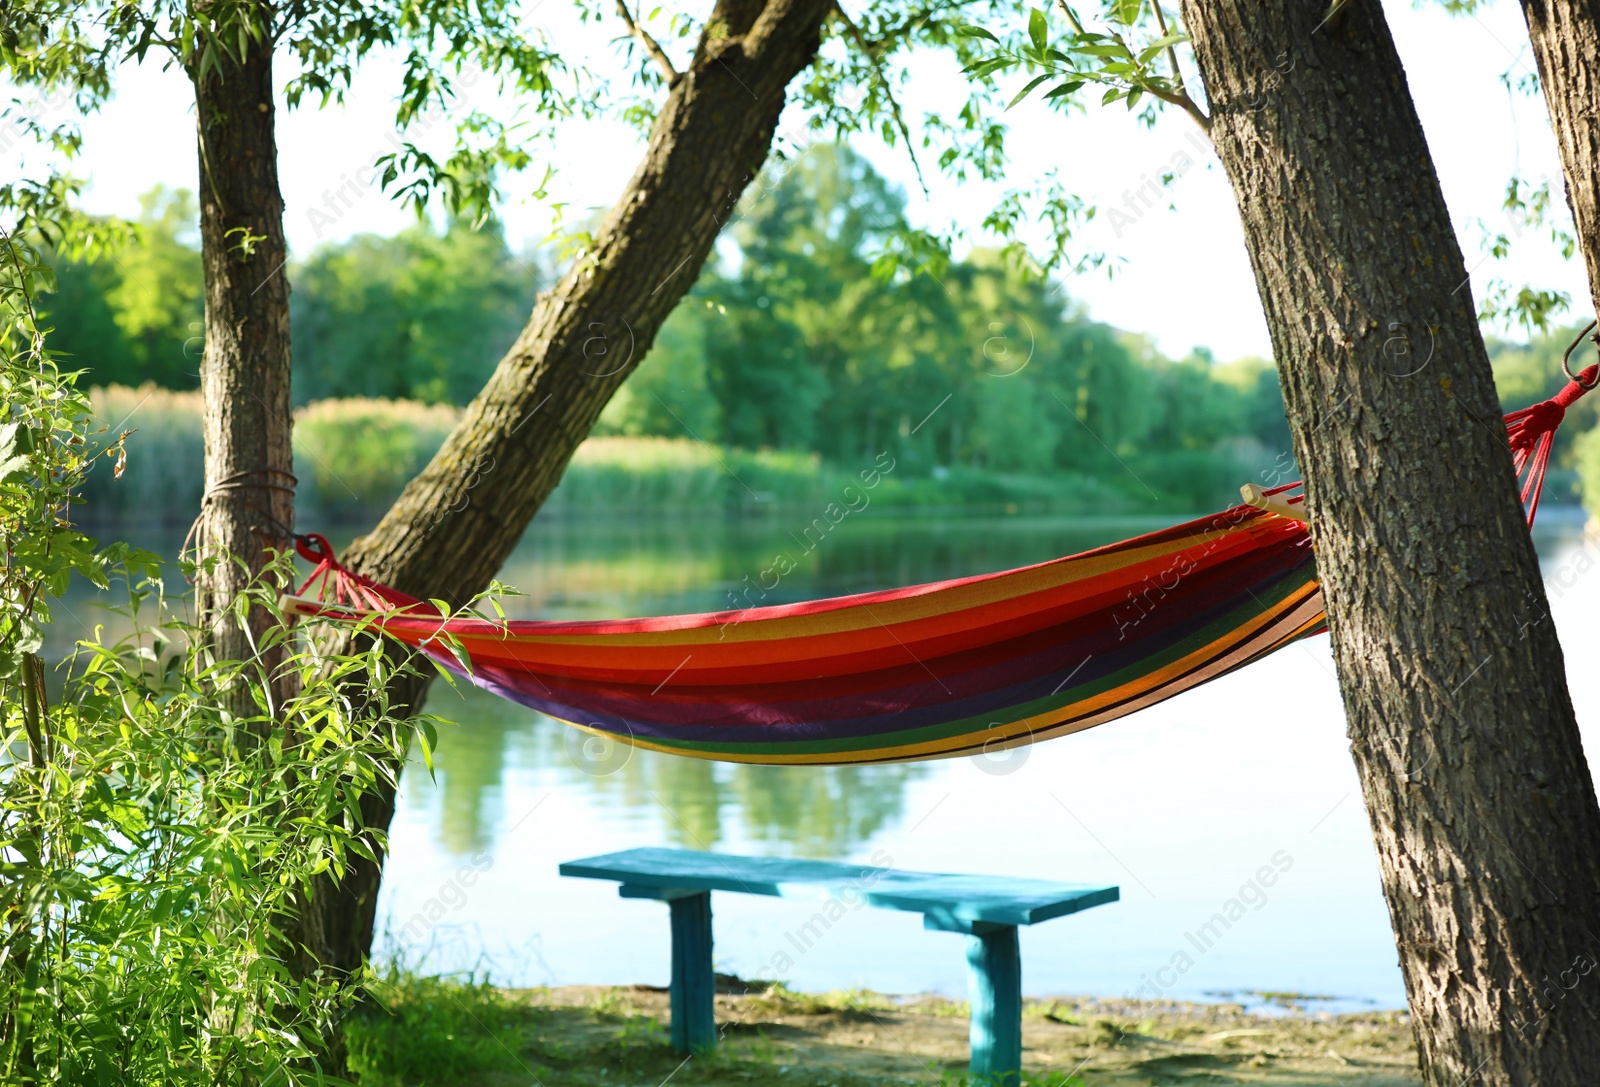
x,y
152,845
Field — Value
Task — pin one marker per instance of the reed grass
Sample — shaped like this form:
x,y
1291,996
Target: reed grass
x,y
353,456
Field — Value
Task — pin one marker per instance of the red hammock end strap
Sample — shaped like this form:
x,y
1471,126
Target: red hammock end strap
x,y
332,588
315,549
1532,432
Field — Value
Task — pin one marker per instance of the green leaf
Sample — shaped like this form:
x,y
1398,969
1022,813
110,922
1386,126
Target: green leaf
x,y
987,67
1064,89
1126,12
1032,83
16,442
25,637
1038,29
975,32
1134,96
428,739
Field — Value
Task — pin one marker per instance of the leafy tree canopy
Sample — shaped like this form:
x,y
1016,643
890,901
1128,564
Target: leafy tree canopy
x,y
423,315
1134,52
792,343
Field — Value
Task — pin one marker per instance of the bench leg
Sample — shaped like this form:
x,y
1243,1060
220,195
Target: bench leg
x,y
694,986
994,972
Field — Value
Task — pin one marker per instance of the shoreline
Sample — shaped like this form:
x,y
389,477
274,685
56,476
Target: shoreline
x,y
569,1035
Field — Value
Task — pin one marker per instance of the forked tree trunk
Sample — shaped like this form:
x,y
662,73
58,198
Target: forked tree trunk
x,y
1476,786
457,522
244,373
1566,43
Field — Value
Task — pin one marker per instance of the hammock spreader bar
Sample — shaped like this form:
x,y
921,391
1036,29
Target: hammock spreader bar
x,y
951,668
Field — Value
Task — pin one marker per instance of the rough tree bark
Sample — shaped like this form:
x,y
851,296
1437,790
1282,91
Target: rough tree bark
x,y
1566,43
1476,786
244,373
455,524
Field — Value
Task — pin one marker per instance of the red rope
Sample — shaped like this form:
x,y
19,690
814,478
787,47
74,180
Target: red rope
x,y
331,583
1532,434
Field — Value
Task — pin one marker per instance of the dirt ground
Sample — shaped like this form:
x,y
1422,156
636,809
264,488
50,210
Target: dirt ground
x,y
617,1036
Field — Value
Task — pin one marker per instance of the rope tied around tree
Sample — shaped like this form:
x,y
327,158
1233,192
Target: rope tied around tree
x,y
242,481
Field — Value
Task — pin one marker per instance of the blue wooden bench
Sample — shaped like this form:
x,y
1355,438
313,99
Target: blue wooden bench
x,y
987,909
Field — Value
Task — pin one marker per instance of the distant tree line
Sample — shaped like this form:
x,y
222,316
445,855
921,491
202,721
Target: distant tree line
x,y
791,340
423,315
795,340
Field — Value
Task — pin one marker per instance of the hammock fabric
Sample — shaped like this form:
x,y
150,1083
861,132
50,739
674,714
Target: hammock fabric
x,y
952,668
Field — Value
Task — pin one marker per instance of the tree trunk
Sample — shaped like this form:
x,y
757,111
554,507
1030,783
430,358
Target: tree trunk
x,y
1566,43
1479,797
244,375
455,524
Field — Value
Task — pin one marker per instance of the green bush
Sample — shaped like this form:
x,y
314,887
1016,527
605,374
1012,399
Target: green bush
x,y
162,812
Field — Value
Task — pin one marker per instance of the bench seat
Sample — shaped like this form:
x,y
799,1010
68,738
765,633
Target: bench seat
x,y
987,909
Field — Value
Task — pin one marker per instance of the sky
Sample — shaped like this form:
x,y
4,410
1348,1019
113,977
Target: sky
x,y
1179,274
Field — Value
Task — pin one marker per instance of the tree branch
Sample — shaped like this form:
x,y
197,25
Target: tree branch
x,y
651,46
1182,100
888,92
1188,104
1180,97
1071,18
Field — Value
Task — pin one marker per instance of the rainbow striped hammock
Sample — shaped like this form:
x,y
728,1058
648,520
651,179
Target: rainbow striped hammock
x,y
952,668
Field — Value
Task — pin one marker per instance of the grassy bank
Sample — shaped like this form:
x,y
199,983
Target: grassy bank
x,y
353,456
439,1033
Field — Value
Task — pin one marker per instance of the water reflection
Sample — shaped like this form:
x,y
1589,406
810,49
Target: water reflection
x,y
619,567
611,567
468,768
1174,794
799,810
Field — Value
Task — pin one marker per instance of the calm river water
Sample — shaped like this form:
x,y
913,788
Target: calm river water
x,y
1180,805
